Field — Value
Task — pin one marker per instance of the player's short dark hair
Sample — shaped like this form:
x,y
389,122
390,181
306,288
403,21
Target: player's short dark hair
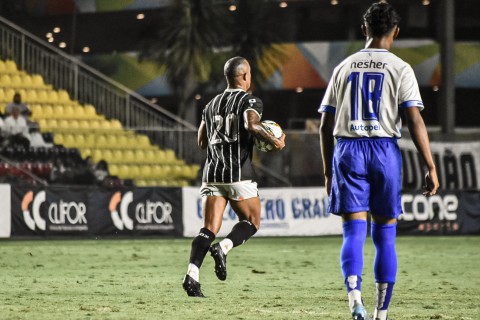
x,y
381,18
231,67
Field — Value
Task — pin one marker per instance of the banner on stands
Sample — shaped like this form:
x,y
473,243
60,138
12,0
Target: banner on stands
x,y
457,163
5,211
67,211
285,212
446,213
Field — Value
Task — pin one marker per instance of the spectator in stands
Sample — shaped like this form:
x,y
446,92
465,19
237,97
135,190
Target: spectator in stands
x,y
100,171
17,103
15,128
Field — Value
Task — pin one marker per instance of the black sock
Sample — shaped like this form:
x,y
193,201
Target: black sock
x,y
241,232
200,245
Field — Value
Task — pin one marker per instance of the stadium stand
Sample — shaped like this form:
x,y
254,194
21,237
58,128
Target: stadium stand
x,y
78,132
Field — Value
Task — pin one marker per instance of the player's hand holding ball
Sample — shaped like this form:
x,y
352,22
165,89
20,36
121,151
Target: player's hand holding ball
x,y
274,130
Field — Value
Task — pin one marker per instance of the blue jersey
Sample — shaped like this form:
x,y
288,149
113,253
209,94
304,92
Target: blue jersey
x,y
366,91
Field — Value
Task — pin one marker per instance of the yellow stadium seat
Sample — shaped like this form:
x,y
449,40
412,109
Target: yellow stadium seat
x,y
63,124
57,111
107,155
90,140
74,124
117,156
115,124
143,141
52,97
47,111
160,156
79,112
58,138
128,156
36,110
145,172
86,152
97,155
94,124
15,81
5,80
134,171
11,66
101,141
52,124
111,140
3,98
37,81
3,68
63,96
90,111
42,123
27,81
69,140
170,156
139,156
42,97
68,112
113,169
79,140
124,171
9,93
122,142
84,124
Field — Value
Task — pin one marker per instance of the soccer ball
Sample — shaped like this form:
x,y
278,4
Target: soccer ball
x,y
274,129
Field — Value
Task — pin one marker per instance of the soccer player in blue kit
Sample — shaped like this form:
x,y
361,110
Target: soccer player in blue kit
x,y
361,109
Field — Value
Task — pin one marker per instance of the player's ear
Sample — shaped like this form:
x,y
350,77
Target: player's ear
x,y
364,29
396,32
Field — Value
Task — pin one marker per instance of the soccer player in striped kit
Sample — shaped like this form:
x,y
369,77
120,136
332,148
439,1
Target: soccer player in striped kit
x,y
361,109
230,121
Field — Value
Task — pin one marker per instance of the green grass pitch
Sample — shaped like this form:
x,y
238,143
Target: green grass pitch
x,y
268,278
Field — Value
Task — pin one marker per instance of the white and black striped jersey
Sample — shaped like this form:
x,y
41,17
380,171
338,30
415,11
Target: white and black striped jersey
x,y
230,145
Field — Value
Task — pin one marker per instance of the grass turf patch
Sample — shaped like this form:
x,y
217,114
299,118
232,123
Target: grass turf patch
x,y
268,278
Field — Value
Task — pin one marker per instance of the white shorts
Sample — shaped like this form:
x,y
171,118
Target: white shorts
x,y
237,191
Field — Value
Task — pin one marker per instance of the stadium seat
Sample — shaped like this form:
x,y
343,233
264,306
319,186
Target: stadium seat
x,y
5,80
90,111
43,97
26,81
128,156
57,111
53,97
37,81
68,112
58,138
11,66
63,96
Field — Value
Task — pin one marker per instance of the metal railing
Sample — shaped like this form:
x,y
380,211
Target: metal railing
x,y
89,86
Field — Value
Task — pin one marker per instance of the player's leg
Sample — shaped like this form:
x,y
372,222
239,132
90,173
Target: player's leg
x,y
385,207
350,198
212,211
385,264
351,260
245,202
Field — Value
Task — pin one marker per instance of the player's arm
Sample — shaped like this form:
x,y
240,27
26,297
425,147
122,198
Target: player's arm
x,y
419,135
326,145
255,127
202,138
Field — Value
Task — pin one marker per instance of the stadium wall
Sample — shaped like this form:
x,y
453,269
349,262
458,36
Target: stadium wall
x,y
74,212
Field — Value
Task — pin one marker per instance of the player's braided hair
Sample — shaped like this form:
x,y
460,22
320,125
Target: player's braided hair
x,y
381,18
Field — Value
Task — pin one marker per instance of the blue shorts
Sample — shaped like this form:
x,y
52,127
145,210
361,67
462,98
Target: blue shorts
x,y
367,176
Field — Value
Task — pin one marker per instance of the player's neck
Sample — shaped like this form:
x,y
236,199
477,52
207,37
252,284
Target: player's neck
x,y
378,43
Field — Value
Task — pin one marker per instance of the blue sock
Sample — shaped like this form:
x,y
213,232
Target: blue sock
x,y
385,264
351,255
